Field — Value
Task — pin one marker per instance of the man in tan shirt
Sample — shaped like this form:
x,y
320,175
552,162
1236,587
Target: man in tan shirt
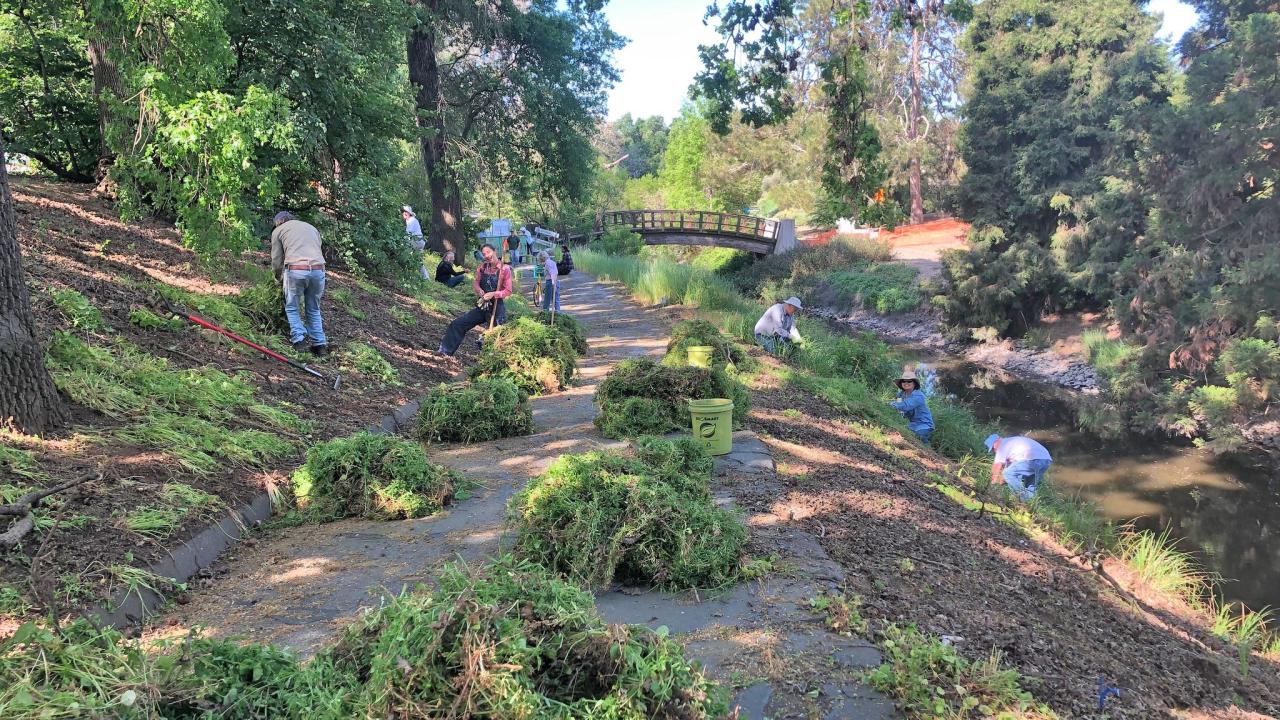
x,y
297,261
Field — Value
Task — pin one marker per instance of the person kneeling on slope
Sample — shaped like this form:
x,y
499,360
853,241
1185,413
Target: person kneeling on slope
x,y
913,406
492,285
776,329
1020,461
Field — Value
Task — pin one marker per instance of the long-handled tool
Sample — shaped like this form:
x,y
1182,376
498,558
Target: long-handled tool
x,y
337,380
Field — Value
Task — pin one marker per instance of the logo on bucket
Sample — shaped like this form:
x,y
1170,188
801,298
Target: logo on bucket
x,y
706,429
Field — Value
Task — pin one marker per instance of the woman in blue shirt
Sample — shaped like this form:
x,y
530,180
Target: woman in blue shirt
x,y
911,403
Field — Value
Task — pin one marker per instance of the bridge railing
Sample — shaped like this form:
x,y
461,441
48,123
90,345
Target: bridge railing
x,y
693,222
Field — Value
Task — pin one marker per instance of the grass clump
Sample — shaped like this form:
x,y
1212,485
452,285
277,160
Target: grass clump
x,y
511,641
1157,561
485,409
931,680
688,333
640,397
373,476
78,311
570,326
263,304
601,517
148,320
365,359
535,356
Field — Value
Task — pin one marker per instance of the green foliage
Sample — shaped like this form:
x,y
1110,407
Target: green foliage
x,y
641,140
570,326
722,260
365,359
475,412
618,240
768,278
957,432
1157,562
682,163
1076,522
688,333
374,476
600,517
144,318
536,356
545,651
78,311
1006,285
263,304
883,287
640,397
931,680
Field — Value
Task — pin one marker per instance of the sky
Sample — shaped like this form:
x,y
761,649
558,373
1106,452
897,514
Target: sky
x,y
659,63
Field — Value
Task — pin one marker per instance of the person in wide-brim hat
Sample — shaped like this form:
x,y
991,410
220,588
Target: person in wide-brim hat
x,y
913,405
775,331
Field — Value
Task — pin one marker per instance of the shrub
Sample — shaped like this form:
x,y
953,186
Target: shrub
x,y
263,304
544,651
374,476
481,410
618,240
600,517
570,326
663,393
700,332
535,356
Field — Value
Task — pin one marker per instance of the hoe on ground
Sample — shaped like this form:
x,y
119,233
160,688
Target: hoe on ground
x,y
170,308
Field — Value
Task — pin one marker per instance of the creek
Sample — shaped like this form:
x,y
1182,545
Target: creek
x,y
1225,512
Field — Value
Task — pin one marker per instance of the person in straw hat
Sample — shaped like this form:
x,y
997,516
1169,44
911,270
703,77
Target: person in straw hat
x,y
913,405
776,328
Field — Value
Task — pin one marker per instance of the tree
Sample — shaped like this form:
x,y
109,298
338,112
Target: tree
x,y
509,96
29,402
1059,102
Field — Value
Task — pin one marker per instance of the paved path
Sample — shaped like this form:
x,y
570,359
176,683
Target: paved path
x,y
300,587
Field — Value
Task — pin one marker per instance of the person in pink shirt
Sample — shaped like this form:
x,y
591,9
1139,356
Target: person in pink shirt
x,y
492,285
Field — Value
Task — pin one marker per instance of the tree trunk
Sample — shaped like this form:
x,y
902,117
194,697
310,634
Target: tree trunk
x,y
107,89
29,402
913,127
446,231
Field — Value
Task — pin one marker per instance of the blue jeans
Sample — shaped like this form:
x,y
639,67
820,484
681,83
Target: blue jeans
x,y
455,281
924,432
1024,475
772,344
550,288
307,286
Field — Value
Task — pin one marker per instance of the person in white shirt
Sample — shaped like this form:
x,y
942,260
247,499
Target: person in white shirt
x,y
1019,462
413,231
776,328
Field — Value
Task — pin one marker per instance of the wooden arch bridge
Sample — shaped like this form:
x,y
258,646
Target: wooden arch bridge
x,y
762,236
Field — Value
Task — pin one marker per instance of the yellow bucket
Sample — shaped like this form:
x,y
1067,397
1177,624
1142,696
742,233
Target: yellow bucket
x,y
700,355
713,424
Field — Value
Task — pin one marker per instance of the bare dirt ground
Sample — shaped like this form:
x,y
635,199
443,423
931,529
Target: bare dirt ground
x,y
72,240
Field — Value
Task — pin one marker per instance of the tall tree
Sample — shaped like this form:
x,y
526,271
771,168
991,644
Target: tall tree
x,y
29,402
507,94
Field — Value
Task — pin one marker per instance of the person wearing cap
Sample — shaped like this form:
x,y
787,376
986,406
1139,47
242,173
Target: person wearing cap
x,y
297,261
413,230
492,286
912,404
776,328
1020,462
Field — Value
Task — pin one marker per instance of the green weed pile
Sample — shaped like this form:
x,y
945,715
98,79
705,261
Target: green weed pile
x,y
77,310
202,417
642,397
570,326
688,333
537,357
263,304
485,409
601,517
504,640
373,476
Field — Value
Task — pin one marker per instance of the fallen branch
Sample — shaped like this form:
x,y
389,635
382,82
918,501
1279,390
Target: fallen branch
x,y
23,507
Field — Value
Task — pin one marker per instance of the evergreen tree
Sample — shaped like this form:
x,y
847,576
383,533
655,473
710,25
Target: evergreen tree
x,y
1060,98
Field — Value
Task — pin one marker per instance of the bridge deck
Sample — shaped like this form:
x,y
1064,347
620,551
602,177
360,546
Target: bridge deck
x,y
694,222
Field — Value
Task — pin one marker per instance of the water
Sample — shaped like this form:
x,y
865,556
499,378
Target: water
x,y
1227,513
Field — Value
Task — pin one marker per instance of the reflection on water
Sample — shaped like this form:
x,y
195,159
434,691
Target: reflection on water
x,y
1228,513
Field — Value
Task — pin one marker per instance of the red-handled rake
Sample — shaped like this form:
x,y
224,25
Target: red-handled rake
x,y
337,379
